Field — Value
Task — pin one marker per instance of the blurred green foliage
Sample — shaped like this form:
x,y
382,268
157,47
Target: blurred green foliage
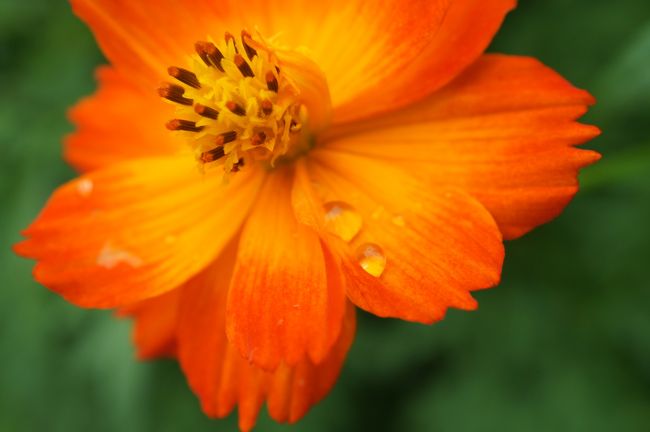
x,y
562,344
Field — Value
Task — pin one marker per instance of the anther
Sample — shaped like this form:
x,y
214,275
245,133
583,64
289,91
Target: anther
x,y
235,108
243,67
210,54
250,51
229,37
238,165
174,93
295,126
212,155
226,138
206,112
258,139
183,125
199,47
267,107
184,76
271,82
214,55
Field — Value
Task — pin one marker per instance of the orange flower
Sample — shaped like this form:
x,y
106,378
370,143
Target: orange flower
x,y
322,155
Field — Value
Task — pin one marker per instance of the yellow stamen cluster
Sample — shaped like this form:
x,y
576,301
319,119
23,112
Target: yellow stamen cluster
x,y
235,103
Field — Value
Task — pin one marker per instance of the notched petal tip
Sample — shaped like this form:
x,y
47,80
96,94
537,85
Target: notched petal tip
x,y
299,316
22,248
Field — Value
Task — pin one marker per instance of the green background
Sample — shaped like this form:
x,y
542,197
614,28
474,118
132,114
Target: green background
x,y
562,344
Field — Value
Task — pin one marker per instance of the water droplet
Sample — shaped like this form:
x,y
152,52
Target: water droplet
x,y
280,322
110,257
342,220
399,221
170,239
85,187
371,258
301,382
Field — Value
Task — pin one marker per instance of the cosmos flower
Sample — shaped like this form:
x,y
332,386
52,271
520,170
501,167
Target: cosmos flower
x,y
253,170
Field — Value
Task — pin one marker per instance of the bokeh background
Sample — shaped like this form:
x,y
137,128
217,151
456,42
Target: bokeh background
x,y
562,344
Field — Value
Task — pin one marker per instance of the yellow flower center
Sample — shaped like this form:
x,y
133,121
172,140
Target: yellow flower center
x,y
237,104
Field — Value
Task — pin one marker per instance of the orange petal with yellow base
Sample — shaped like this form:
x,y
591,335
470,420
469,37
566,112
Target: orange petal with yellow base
x,y
223,379
287,296
119,122
135,230
436,244
504,131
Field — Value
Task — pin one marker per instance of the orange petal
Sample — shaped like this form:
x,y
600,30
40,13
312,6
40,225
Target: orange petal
x,y
143,38
293,390
406,51
154,331
379,55
287,296
135,230
504,131
222,378
438,244
119,122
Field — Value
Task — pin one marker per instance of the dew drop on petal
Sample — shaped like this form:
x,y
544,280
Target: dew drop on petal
x,y
342,220
371,258
85,187
110,257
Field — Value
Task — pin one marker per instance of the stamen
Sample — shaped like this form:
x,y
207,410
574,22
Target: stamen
x,y
229,37
238,165
271,82
184,76
243,67
174,93
199,47
250,51
235,108
258,139
267,107
183,125
226,138
210,54
206,112
214,55
247,111
212,155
